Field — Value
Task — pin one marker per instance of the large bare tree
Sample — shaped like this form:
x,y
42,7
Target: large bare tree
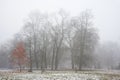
x,y
85,37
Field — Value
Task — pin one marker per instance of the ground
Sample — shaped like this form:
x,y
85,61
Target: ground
x,y
60,75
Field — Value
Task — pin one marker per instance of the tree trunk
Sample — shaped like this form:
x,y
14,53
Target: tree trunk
x,y
30,70
35,53
56,59
45,59
20,67
53,57
72,61
36,60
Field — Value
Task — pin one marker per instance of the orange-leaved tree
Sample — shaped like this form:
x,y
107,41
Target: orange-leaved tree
x,y
18,55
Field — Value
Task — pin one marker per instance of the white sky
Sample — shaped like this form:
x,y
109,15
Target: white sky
x,y
106,13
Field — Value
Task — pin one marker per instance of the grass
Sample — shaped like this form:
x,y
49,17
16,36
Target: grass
x,y
61,75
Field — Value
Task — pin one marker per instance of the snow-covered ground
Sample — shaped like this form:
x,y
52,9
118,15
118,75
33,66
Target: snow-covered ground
x,y
61,75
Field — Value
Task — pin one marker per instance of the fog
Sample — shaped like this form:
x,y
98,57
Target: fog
x,y
106,19
106,14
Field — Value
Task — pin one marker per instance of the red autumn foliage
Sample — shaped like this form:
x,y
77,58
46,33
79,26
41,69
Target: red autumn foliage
x,y
18,55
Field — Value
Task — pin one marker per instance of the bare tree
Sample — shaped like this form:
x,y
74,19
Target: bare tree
x,y
27,34
57,35
36,35
31,30
44,40
85,36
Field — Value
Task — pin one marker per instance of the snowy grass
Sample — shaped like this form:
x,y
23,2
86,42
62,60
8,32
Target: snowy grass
x,y
61,75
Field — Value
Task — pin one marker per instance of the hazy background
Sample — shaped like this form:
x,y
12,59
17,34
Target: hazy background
x,y
106,13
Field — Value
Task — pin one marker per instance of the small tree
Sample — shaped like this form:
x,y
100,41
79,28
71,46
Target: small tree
x,y
18,55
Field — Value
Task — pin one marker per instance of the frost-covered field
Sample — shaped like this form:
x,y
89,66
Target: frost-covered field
x,y
61,75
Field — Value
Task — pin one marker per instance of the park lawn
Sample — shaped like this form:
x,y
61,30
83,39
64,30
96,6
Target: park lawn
x,y
60,75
